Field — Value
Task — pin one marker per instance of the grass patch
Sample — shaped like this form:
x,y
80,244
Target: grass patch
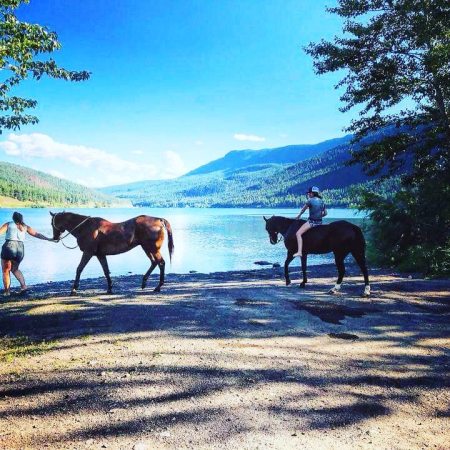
x,y
51,308
22,346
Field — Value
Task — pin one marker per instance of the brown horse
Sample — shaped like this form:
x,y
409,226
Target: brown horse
x,y
340,237
98,237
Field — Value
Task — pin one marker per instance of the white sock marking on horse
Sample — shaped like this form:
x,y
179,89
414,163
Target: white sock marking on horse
x,y
367,290
337,287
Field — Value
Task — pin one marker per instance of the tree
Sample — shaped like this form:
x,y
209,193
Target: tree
x,y
21,48
396,58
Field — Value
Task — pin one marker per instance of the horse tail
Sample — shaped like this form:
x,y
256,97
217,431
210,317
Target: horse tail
x,y
360,241
170,237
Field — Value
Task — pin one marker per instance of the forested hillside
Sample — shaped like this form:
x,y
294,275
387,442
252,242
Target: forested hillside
x,y
219,184
36,188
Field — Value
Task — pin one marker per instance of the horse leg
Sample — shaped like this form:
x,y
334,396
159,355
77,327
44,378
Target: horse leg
x,y
304,265
360,259
339,260
84,260
289,259
162,265
104,264
149,271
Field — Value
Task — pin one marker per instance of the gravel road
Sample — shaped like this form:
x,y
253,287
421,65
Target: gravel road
x,y
231,360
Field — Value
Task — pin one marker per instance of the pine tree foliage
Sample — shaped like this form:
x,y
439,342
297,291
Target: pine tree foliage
x,y
396,58
41,189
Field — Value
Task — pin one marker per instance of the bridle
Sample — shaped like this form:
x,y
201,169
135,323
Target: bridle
x,y
278,239
69,232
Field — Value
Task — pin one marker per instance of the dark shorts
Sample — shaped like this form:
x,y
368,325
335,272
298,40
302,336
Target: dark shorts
x,y
314,223
13,251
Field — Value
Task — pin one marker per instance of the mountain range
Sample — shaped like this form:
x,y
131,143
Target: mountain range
x,y
275,177
272,177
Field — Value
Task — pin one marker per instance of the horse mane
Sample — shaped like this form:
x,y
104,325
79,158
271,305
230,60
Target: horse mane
x,y
281,223
285,220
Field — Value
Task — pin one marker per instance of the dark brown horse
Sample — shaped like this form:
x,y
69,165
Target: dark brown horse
x,y
98,237
340,237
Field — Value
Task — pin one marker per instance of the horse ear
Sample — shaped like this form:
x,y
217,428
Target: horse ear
x,y
264,218
52,214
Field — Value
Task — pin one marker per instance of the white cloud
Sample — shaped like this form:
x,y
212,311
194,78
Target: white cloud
x,y
249,137
174,166
87,165
137,152
57,173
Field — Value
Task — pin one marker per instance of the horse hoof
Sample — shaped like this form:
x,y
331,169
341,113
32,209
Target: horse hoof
x,y
303,285
334,291
288,283
109,292
157,289
73,293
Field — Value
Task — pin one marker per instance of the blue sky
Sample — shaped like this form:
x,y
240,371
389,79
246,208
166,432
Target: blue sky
x,y
175,84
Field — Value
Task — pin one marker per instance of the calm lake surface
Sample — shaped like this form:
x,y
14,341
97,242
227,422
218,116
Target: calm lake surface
x,y
206,240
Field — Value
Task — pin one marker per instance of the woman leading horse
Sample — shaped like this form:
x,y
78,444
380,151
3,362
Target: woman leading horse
x,y
98,237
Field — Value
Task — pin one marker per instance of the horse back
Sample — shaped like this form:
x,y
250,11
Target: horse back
x,y
335,236
338,235
150,229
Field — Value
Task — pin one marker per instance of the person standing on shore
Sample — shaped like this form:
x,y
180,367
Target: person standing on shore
x,y
13,250
317,211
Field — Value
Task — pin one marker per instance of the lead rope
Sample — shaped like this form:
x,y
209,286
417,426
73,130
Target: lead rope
x,y
69,232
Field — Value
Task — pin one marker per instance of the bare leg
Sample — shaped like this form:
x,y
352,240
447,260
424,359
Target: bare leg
x,y
6,269
104,264
19,276
305,227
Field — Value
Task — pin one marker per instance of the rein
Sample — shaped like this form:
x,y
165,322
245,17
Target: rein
x,y
69,232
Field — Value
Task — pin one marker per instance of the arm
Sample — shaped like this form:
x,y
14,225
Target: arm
x,y
35,234
3,228
303,210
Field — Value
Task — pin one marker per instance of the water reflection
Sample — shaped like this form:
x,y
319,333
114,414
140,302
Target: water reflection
x,y
206,240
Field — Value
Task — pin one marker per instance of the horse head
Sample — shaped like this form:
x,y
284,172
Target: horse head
x,y
59,228
272,229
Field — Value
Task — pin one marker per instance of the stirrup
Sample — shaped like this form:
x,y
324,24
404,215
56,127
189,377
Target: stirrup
x,y
297,254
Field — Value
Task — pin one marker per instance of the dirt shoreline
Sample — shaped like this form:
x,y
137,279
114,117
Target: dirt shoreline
x,y
230,360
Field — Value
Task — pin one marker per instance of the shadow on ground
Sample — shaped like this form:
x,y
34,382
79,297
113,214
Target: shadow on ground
x,y
245,375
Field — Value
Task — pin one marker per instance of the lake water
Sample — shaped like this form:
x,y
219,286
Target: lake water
x,y
206,240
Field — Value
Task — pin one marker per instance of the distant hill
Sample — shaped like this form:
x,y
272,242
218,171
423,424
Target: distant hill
x,y
22,186
273,178
291,154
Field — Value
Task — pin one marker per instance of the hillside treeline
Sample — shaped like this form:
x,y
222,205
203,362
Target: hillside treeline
x,y
39,188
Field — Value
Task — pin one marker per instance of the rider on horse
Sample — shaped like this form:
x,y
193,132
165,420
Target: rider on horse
x,y
317,211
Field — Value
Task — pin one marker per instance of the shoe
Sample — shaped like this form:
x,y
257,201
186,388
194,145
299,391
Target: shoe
x,y
6,294
297,254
